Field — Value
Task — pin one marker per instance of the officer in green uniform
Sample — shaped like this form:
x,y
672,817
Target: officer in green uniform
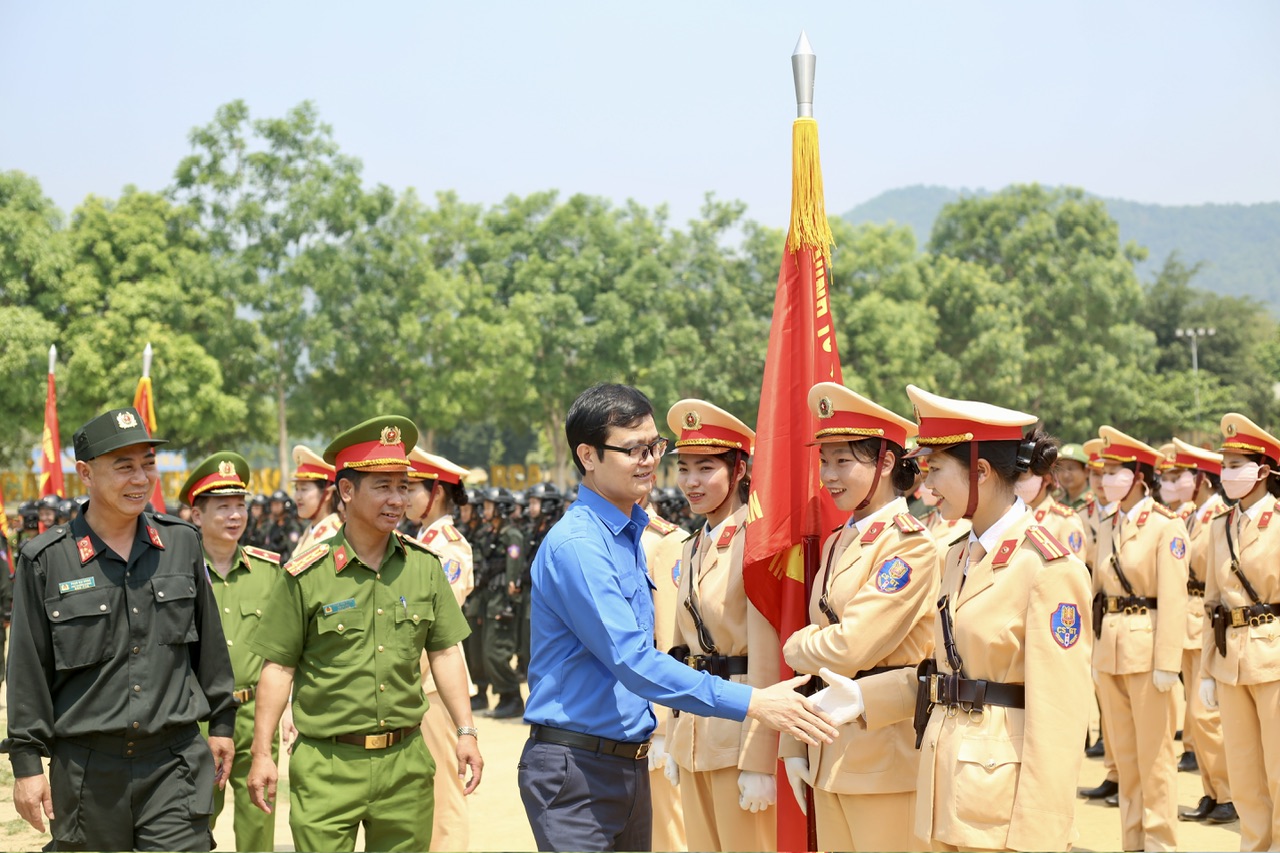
x,y
1072,473
242,578
499,564
344,630
116,654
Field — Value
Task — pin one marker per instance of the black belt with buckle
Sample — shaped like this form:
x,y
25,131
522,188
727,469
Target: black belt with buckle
x,y
380,740
1253,615
245,695
721,666
1195,588
951,690
1128,604
591,743
814,684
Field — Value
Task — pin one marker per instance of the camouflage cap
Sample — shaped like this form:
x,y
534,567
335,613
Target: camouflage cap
x,y
1073,452
111,431
223,473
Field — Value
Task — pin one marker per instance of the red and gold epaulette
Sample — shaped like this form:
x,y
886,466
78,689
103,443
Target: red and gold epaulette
x,y
1062,510
307,559
1142,516
1004,553
413,543
1264,519
1045,542
262,554
1164,510
661,525
451,533
908,523
873,532
726,536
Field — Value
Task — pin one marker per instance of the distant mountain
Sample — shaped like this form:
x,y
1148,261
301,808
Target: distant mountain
x,y
1238,243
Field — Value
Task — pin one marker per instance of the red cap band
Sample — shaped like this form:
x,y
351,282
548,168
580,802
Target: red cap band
x,y
372,455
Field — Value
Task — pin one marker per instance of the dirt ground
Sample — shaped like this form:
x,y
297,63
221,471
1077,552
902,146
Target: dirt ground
x,y
498,820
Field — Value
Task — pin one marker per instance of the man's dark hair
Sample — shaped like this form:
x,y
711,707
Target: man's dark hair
x,y
597,410
355,475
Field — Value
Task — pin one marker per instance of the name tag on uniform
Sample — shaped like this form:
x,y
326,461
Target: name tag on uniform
x,y
77,585
339,606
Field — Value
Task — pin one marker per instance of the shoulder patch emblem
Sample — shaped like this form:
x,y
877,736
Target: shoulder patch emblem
x,y
513,552
893,575
453,570
727,536
675,573
262,554
873,532
306,559
1178,547
908,523
154,536
451,533
1004,553
1065,625
1045,542
1075,541
86,549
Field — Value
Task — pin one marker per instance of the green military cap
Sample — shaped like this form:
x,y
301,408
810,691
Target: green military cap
x,y
223,473
1073,452
111,431
378,444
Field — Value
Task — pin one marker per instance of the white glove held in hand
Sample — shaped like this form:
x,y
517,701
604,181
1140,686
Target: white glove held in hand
x,y
1209,692
657,752
841,699
798,775
672,771
756,791
1164,680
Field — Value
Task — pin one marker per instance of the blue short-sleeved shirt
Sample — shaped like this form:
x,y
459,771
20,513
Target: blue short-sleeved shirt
x,y
593,667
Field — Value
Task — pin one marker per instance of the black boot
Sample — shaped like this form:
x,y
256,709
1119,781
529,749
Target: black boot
x,y
1187,763
1098,750
480,701
509,705
1106,789
1114,800
1224,813
1202,810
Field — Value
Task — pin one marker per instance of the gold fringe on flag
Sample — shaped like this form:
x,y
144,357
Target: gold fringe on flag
x,y
809,226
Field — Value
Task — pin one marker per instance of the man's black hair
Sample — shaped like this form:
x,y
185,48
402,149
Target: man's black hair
x,y
597,410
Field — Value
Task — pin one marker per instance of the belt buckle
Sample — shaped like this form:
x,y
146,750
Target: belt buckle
x,y
933,690
1113,604
643,751
381,741
1237,618
691,661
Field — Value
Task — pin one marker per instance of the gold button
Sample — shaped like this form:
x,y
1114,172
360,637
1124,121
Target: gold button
x,y
382,723
160,594
341,627
379,611
382,687
226,610
137,688
102,607
128,752
379,648
135,725
136,649
991,762
135,610
378,575
415,617
55,614
228,642
257,612
130,743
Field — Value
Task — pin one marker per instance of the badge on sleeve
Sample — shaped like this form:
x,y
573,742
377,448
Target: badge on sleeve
x,y
894,574
675,573
1065,624
1178,547
513,552
1075,541
452,570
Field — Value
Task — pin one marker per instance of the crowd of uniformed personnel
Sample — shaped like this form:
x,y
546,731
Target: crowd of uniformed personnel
x,y
1110,568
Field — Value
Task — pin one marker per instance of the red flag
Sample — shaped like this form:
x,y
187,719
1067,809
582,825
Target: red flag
x,y
144,402
51,446
789,510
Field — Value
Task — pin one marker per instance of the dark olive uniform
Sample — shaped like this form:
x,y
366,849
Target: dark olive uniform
x,y
355,635
116,661
500,561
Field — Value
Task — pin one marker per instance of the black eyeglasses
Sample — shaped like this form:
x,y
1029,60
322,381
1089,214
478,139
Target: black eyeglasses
x,y
641,452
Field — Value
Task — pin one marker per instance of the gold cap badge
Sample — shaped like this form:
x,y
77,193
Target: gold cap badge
x,y
390,435
692,420
226,468
1231,430
825,409
126,420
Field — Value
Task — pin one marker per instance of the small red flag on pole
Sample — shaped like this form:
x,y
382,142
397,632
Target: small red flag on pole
x,y
50,443
144,402
788,508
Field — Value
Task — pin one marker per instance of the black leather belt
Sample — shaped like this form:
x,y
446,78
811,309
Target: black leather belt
x,y
245,695
1254,614
1128,604
721,666
591,743
380,740
1195,588
952,690
132,746
814,684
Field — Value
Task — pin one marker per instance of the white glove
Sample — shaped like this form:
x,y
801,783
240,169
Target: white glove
x,y
797,767
756,791
672,771
1164,680
1209,692
841,699
657,752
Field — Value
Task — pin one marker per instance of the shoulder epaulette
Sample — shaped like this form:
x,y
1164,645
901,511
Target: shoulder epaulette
x,y
32,547
165,518
1062,510
451,533
1164,510
661,525
908,523
872,533
262,554
1048,546
307,559
954,542
409,540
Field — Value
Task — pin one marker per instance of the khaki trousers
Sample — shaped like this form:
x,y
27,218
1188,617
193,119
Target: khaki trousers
x,y
451,828
668,814
1251,724
1202,733
1141,720
866,821
713,820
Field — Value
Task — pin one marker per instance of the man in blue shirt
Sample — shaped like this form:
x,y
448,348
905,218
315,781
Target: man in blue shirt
x,y
593,668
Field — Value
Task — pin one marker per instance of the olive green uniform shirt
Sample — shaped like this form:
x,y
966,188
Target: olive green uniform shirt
x,y
242,599
355,634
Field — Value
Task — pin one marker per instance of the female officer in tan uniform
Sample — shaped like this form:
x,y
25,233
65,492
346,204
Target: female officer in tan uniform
x,y
871,611
725,769
1241,659
1008,705
1140,578
314,495
1059,519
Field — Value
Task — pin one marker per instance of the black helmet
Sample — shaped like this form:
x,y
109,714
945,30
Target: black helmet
x,y
258,500
520,497
473,496
49,502
65,506
548,494
279,495
571,495
502,499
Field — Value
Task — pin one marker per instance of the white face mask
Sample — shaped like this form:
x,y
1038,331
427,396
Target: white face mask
x,y
1238,482
1027,488
1178,491
1116,486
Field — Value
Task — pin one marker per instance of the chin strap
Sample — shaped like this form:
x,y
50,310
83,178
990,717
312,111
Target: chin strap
x,y
973,480
431,500
875,479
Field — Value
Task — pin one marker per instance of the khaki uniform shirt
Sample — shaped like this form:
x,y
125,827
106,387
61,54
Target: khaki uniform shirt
x,y
444,540
1150,542
1062,521
1253,651
1198,521
663,544
714,574
355,634
881,579
242,598
318,532
1005,778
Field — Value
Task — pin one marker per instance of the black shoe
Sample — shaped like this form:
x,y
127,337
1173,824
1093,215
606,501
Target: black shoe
x,y
1114,801
1177,735
1224,813
1098,750
1202,810
509,706
480,701
1106,789
1187,763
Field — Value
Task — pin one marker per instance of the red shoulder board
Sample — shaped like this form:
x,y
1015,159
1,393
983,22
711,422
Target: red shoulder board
x,y
262,554
340,558
154,535
663,526
1142,518
1062,510
1264,520
908,523
726,536
430,537
451,533
1040,513
86,549
1004,552
1048,546
873,532
306,559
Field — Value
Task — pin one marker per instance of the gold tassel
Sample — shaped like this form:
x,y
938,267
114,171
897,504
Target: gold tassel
x,y
809,226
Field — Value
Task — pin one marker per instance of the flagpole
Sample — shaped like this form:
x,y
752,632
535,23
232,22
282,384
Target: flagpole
x,y
146,361
53,356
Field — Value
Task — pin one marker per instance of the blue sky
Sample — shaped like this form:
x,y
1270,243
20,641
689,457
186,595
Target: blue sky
x,y
1168,102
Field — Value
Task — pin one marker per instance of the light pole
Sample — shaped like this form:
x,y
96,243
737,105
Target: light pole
x,y
1194,334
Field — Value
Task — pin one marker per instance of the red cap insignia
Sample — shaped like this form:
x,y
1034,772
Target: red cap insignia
x,y
155,537
86,549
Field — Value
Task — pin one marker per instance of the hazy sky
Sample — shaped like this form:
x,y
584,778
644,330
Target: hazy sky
x,y
1170,102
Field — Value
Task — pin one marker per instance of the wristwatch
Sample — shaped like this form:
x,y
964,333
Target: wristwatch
x,y
468,730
